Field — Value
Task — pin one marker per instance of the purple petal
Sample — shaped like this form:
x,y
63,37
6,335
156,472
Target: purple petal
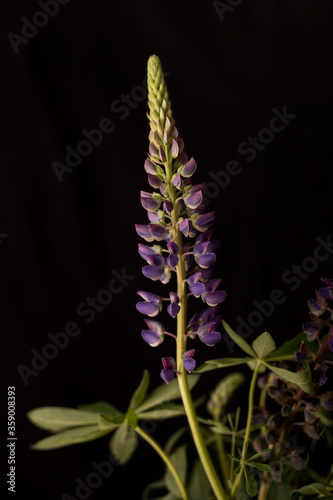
x,y
148,308
206,274
194,278
188,354
310,328
207,260
149,202
155,217
211,285
184,227
172,260
154,181
152,338
180,143
155,326
173,247
206,236
173,309
167,375
161,154
212,299
322,379
152,272
182,158
193,200
300,355
169,363
201,248
177,181
174,149
153,151
211,338
167,206
189,168
144,232
156,260
315,307
165,278
174,297
150,167
145,250
149,297
157,231
208,314
326,292
205,329
190,364
197,289
203,222
213,246
195,318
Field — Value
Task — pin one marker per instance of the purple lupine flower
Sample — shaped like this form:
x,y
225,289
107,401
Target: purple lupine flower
x,y
189,362
152,305
168,370
173,307
330,342
178,220
301,354
327,292
315,307
310,329
155,335
208,336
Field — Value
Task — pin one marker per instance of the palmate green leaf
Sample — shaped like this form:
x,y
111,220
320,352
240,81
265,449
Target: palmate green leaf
x,y
111,421
214,364
199,487
251,483
69,437
123,443
263,345
302,379
179,460
99,407
309,490
57,418
132,417
287,349
239,340
140,392
165,393
150,489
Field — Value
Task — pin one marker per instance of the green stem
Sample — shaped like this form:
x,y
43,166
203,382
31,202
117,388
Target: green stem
x,y
247,430
263,490
181,347
165,459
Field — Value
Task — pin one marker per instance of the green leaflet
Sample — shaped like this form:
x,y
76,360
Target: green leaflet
x,y
214,364
302,379
140,392
179,460
164,393
309,490
263,345
287,349
99,407
57,418
239,340
123,443
110,421
251,483
199,487
162,412
70,436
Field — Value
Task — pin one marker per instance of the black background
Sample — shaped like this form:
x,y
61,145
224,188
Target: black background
x,y
64,238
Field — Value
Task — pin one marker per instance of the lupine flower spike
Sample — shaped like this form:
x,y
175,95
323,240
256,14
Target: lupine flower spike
x,y
179,233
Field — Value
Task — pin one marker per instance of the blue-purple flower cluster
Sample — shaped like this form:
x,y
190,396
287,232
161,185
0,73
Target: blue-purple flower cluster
x,y
179,230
